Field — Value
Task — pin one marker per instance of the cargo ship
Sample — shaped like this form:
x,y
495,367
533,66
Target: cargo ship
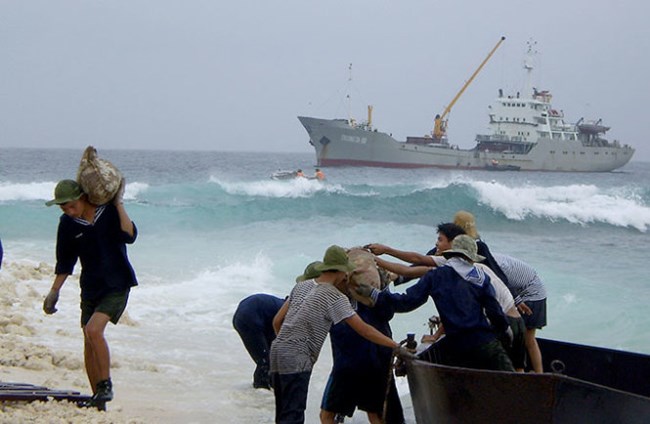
x,y
526,132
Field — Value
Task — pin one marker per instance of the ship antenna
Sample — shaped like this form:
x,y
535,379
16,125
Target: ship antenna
x,y
349,95
528,65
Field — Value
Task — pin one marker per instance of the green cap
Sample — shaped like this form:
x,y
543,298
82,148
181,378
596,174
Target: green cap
x,y
464,245
309,273
335,259
64,192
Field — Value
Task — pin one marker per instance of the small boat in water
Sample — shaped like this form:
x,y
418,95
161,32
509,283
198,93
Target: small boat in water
x,y
586,384
284,175
496,166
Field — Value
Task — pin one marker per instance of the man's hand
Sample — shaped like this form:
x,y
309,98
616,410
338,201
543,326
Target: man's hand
x,y
376,248
364,289
119,196
49,304
524,309
402,351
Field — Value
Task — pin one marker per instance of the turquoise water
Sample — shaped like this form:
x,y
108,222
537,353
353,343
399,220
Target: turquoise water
x,y
214,228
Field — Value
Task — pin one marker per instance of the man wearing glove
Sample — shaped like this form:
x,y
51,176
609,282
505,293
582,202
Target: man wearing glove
x,y
461,292
96,235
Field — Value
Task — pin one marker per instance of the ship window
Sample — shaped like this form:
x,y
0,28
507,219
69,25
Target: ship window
x,y
552,152
582,153
595,153
565,153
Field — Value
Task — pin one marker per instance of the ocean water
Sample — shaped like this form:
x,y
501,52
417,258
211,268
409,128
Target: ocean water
x,y
214,228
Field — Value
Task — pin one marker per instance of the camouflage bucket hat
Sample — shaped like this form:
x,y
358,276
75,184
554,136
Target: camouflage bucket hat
x,y
309,273
466,246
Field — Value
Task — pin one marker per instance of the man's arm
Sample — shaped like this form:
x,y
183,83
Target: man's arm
x,y
414,297
125,222
410,257
278,319
401,269
369,332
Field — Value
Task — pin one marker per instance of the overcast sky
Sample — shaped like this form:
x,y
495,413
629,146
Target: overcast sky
x,y
233,75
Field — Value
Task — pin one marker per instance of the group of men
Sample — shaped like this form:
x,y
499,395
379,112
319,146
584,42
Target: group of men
x,y
489,305
318,174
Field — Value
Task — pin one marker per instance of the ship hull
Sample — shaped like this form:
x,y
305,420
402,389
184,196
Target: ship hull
x,y
338,144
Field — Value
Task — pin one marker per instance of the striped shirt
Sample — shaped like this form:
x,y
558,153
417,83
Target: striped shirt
x,y
523,281
313,309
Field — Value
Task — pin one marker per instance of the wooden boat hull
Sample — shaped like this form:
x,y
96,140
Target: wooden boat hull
x,y
444,394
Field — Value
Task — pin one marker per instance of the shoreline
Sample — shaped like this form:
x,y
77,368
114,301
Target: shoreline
x,y
207,383
25,358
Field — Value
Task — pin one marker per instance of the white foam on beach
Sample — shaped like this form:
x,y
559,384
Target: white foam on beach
x,y
26,355
578,203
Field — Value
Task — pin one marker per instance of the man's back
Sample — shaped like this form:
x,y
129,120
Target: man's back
x,y
313,308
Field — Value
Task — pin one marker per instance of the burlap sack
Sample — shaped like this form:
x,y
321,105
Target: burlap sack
x,y
365,271
98,178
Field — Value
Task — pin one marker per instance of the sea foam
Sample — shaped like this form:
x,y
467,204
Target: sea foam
x,y
578,203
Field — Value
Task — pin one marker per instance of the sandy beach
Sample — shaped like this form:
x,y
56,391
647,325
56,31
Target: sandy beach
x,y
26,358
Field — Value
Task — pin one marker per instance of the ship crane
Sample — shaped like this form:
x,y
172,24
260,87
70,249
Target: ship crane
x,y
440,123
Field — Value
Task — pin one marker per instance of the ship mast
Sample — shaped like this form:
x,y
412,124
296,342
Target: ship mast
x,y
349,95
529,66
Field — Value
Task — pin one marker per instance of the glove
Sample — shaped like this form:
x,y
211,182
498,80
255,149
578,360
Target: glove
x,y
50,302
402,351
364,289
119,196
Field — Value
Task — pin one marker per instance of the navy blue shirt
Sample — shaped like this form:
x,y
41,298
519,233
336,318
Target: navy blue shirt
x,y
460,304
353,353
101,249
255,313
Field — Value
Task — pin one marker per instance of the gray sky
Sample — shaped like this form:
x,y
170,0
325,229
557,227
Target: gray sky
x,y
233,75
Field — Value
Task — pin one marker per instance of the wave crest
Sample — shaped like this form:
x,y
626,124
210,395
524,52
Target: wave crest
x,y
578,204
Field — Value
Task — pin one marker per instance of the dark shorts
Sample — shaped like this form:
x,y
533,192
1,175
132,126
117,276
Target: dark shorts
x,y
538,318
290,391
113,305
346,391
489,356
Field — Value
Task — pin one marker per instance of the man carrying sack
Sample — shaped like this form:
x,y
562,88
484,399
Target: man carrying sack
x,y
96,235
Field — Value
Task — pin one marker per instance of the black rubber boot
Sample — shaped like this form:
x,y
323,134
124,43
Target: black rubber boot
x,y
103,394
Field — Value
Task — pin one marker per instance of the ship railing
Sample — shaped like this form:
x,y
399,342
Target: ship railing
x,y
492,137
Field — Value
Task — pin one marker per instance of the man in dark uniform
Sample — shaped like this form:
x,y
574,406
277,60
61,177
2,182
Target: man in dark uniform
x,y
253,320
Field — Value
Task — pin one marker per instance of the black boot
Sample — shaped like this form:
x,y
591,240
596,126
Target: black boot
x,y
103,394
261,377
104,391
